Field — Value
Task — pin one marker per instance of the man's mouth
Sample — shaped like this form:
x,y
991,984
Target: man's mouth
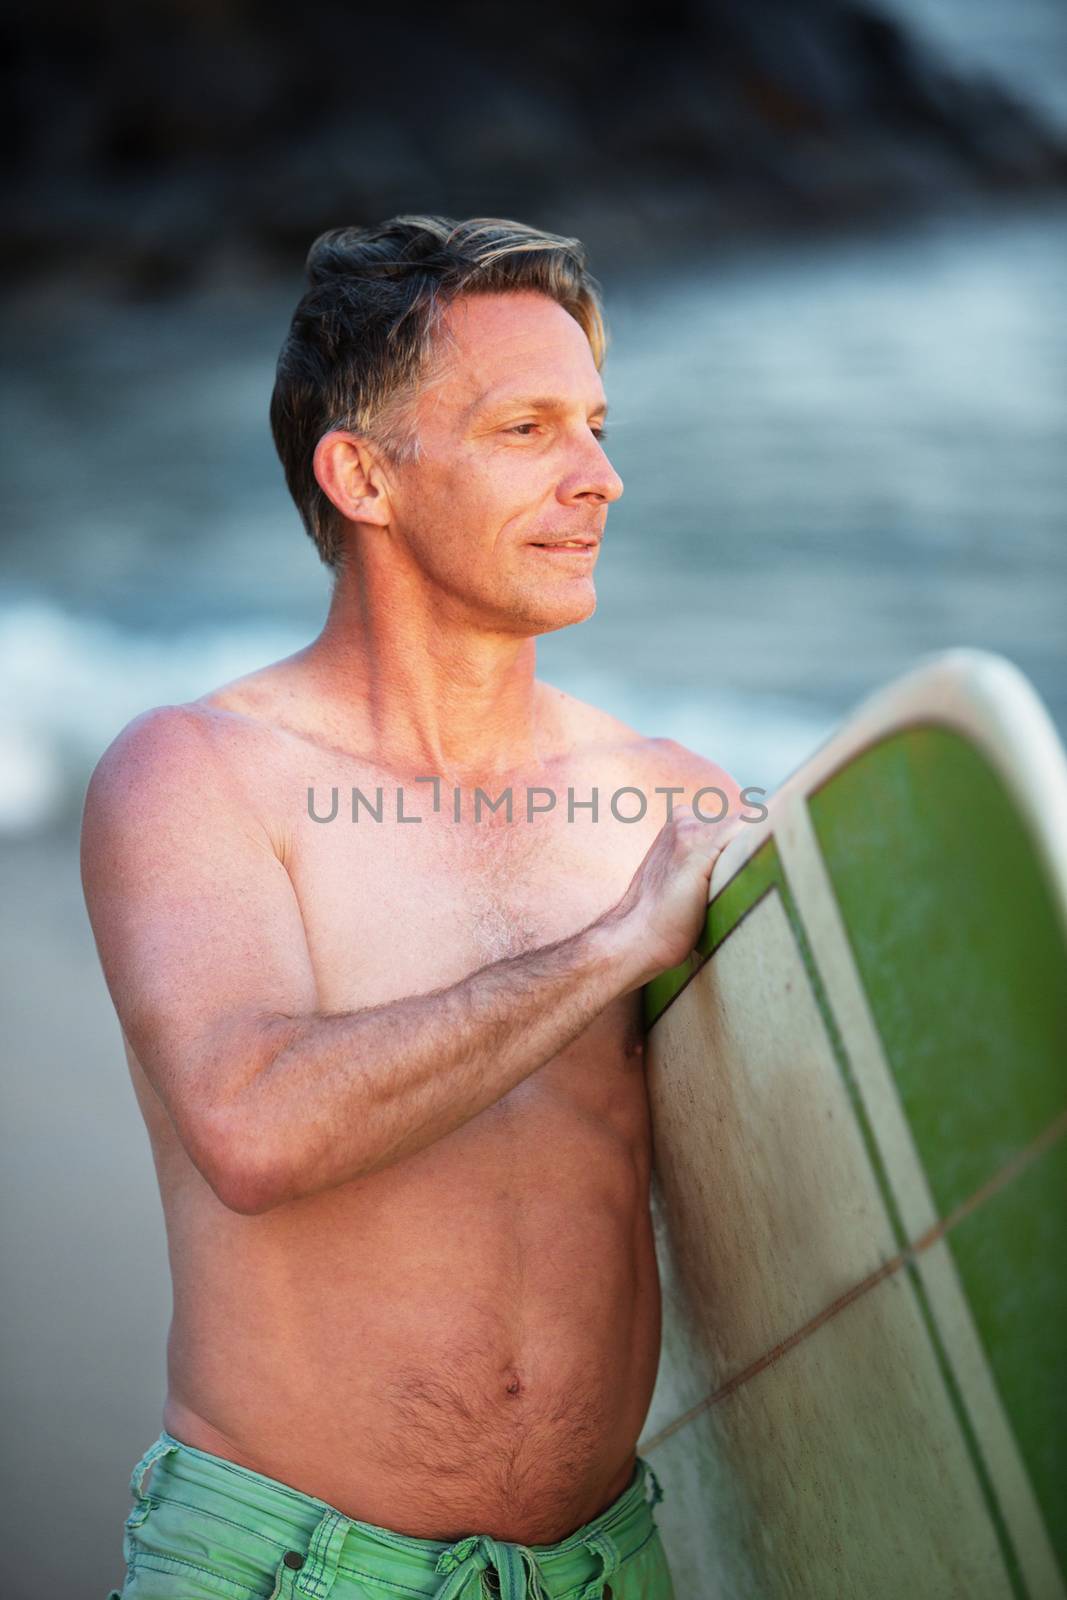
x,y
566,544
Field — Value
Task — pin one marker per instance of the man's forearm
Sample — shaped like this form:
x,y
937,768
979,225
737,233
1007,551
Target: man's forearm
x,y
345,1094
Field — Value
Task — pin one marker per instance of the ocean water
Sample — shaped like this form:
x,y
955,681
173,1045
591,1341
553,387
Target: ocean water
x,y
837,460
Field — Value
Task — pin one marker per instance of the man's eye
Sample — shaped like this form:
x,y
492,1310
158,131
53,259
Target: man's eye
x,y
524,427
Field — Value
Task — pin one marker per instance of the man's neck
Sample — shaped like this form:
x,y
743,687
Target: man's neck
x,y
422,689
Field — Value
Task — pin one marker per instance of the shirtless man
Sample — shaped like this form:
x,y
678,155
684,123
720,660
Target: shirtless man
x,y
392,1071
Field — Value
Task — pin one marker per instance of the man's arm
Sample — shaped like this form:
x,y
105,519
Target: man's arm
x,y
204,951
371,1086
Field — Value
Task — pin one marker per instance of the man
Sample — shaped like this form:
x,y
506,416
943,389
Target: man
x,y
391,1067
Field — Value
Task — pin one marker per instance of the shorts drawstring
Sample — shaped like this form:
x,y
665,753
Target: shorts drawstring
x,y
464,1562
604,1546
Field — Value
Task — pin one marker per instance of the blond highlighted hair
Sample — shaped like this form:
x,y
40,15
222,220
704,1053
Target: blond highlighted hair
x,y
368,328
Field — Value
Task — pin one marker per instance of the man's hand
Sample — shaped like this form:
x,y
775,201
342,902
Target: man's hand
x,y
663,910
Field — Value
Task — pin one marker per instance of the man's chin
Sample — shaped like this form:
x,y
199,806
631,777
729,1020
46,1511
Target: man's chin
x,y
547,613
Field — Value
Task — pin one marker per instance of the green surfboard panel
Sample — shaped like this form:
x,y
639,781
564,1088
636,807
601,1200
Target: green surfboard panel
x,y
965,975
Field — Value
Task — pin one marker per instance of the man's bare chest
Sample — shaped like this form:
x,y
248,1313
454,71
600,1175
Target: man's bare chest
x,y
408,882
396,907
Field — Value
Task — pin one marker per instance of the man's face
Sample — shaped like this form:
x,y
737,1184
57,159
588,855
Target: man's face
x,y
511,464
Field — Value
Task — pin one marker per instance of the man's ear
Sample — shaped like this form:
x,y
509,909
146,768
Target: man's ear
x,y
351,475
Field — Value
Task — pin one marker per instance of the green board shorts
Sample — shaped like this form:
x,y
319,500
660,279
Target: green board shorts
x,y
209,1528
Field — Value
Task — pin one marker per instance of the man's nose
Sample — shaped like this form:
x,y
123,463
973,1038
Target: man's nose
x,y
592,477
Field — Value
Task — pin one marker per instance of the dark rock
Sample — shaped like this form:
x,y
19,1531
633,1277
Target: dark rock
x,y
153,141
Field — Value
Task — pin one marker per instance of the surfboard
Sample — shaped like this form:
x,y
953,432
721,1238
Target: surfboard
x,y
858,1086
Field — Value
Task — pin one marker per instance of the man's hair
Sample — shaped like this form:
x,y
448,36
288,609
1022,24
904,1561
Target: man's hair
x,y
368,329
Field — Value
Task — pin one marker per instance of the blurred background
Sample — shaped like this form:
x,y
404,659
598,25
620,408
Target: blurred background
x,y
828,237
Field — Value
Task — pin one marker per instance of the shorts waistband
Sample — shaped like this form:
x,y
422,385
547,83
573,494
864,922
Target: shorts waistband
x,y
332,1544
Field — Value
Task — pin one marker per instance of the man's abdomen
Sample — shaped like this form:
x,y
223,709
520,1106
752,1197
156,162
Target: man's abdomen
x,y
466,1340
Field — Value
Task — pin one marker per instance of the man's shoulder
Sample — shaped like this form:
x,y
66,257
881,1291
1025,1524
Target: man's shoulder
x,y
665,766
169,763
647,755
148,741
173,788
653,763
183,735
